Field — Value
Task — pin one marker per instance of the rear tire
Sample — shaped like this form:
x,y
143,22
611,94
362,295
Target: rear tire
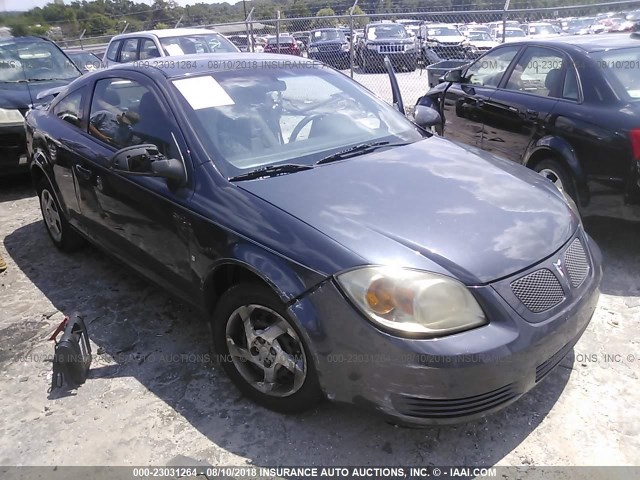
x,y
60,231
556,173
262,351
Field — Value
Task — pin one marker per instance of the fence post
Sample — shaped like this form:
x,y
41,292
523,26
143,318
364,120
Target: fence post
x,y
80,38
504,20
250,43
278,29
351,29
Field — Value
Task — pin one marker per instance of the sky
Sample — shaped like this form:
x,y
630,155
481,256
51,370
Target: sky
x,y
23,5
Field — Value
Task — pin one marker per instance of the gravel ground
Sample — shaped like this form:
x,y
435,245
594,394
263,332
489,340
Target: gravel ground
x,y
150,400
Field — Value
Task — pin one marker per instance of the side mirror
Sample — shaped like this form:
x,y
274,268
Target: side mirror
x,y
453,76
148,161
426,117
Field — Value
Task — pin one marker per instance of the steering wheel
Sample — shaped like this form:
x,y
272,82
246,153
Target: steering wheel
x,y
303,123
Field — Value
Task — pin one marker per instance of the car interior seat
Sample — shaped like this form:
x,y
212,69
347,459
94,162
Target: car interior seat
x,y
553,83
152,126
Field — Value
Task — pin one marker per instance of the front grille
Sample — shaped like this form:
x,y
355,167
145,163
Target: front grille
x,y
451,408
576,263
538,291
329,48
391,48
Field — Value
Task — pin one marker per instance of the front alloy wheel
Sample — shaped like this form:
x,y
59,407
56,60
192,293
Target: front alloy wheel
x,y
262,351
266,350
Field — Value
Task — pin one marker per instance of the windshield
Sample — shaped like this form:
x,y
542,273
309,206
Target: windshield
x,y
199,43
386,31
480,36
33,61
257,117
542,30
443,32
322,35
513,33
283,40
85,60
621,68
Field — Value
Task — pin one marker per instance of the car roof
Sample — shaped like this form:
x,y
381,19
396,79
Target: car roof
x,y
25,39
168,32
596,43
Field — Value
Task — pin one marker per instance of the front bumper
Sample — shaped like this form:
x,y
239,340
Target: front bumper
x,y
397,58
13,150
336,57
452,379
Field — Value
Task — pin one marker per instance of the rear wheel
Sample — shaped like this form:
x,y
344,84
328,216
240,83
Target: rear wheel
x,y
261,350
61,233
553,171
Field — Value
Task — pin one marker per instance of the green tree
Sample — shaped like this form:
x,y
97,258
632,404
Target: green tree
x,y
320,22
359,21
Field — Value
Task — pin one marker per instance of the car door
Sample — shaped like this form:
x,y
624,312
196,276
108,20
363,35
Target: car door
x,y
65,146
464,101
140,218
518,112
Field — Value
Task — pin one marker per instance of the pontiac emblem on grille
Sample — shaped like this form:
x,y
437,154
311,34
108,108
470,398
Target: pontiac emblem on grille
x,y
558,265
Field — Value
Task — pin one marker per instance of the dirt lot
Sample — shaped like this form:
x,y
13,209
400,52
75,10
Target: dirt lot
x,y
150,400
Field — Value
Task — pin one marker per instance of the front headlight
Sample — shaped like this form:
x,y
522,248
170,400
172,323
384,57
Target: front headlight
x,y
10,117
313,50
372,47
409,48
412,302
345,47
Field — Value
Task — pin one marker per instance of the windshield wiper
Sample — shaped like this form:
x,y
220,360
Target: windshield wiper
x,y
360,149
271,171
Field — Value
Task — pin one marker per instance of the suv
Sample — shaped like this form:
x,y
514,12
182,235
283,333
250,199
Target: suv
x,y
131,47
28,67
386,39
330,46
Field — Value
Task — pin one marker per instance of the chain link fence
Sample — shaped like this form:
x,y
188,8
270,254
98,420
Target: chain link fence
x,y
421,45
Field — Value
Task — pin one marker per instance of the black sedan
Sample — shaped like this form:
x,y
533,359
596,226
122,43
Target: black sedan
x,y
567,108
28,67
336,248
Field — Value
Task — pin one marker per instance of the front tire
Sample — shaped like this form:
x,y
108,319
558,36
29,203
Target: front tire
x,y
262,351
61,233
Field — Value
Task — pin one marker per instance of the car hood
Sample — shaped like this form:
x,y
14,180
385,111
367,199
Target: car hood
x,y
448,38
22,95
430,203
328,42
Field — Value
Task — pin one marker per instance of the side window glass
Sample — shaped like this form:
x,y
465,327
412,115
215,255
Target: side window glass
x,y
488,70
148,49
113,50
125,113
540,72
570,89
69,108
129,52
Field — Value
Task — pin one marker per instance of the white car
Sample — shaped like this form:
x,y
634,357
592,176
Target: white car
x,y
481,41
511,34
539,30
149,44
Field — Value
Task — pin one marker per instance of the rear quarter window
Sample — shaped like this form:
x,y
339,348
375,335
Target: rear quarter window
x,y
113,50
